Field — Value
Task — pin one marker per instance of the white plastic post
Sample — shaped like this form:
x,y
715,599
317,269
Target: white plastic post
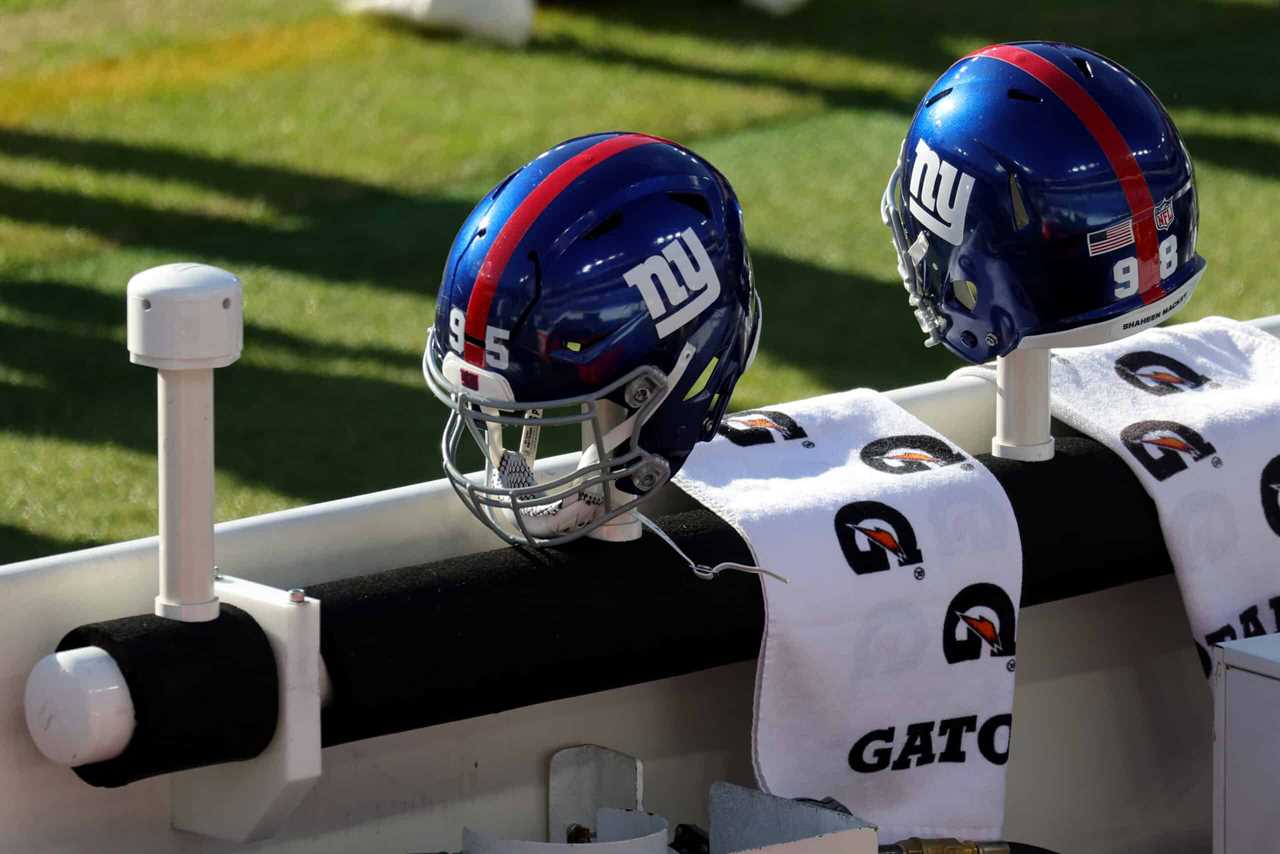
x,y
185,439
625,527
1022,406
185,320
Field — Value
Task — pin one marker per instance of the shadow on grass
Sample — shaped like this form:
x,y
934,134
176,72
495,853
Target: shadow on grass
x,y
1212,56
345,230
1242,153
844,97
19,544
843,329
316,436
309,435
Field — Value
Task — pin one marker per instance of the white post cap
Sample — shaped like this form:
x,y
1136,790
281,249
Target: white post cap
x,y
185,317
78,707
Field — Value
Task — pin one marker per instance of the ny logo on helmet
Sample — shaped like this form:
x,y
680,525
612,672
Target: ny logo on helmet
x,y
655,279
760,427
908,454
1165,447
935,199
870,533
1156,373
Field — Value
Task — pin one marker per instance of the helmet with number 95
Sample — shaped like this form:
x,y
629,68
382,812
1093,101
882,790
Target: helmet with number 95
x,y
604,288
1042,198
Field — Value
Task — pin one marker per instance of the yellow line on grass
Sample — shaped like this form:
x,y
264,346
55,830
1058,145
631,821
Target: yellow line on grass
x,y
177,67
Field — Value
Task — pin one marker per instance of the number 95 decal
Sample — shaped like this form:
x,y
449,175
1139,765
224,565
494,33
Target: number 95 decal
x,y
1125,272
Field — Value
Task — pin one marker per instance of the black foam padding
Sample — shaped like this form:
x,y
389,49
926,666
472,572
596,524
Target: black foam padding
x,y
203,693
1085,521
486,632
492,631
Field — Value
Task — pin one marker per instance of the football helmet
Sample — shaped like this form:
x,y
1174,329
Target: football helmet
x,y
1042,198
604,287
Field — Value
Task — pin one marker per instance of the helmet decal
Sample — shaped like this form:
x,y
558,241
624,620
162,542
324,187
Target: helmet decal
x,y
931,198
700,279
515,228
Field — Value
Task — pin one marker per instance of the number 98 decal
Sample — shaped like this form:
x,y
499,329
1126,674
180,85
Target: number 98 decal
x,y
1125,272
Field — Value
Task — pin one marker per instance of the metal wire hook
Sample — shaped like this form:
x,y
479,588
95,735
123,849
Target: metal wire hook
x,y
707,573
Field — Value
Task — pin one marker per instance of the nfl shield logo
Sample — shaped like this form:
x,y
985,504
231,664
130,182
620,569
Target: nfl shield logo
x,y
1164,215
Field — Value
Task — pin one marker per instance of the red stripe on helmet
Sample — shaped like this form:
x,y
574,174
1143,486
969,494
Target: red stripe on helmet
x,y
518,224
1118,153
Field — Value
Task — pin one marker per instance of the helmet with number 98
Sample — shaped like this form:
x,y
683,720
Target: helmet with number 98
x,y
604,288
1042,198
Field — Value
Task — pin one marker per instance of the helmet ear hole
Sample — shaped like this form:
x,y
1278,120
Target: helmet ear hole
x,y
965,292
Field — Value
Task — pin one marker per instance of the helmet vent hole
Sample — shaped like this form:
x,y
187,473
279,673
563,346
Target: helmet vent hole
x,y
603,227
1022,95
1083,64
938,97
694,200
502,185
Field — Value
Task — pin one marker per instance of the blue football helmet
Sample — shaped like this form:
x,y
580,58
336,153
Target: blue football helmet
x,y
605,287
1042,198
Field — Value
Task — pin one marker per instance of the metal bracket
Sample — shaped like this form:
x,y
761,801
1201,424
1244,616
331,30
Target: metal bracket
x,y
618,832
745,819
587,778
242,801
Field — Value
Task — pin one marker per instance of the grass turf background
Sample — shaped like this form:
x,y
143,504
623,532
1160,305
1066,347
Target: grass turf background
x,y
329,160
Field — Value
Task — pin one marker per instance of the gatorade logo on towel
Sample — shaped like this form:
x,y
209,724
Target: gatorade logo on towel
x,y
1165,448
909,454
981,621
1156,373
760,427
871,533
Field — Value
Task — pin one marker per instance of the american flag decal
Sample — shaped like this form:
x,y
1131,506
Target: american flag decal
x,y
1120,234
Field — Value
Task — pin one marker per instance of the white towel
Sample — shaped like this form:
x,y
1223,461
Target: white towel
x,y
885,677
1195,412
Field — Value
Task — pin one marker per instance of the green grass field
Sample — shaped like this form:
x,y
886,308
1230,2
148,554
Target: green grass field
x,y
328,161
